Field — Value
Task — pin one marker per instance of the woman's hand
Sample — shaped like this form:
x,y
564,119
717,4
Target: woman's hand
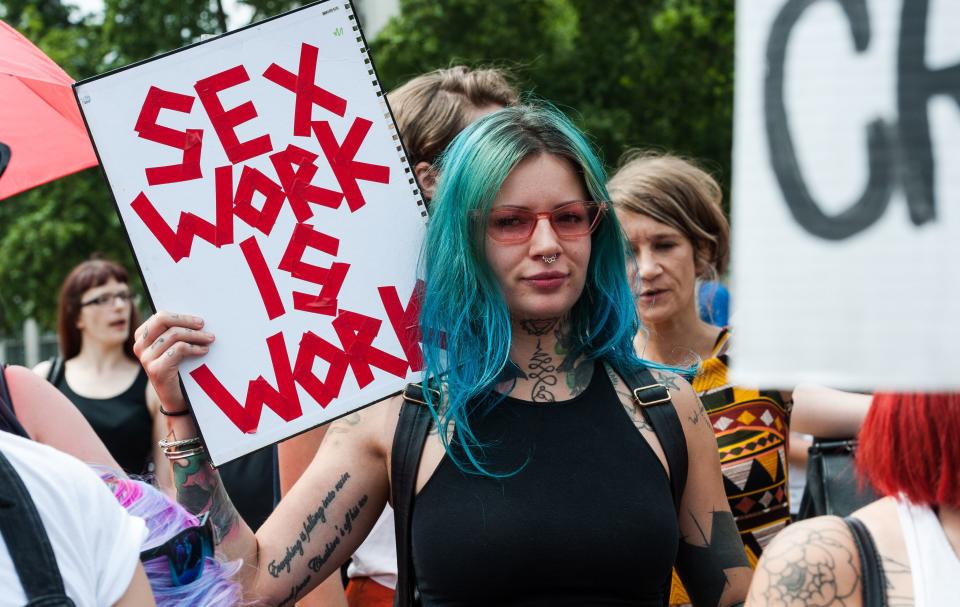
x,y
162,343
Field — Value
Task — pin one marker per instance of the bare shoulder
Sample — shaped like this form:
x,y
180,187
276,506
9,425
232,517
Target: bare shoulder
x,y
23,381
814,562
883,522
693,416
374,424
43,368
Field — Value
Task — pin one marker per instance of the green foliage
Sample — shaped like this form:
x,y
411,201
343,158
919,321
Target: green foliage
x,y
632,73
652,73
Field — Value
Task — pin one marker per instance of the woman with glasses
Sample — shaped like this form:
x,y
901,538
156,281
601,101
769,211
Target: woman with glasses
x,y
545,482
97,370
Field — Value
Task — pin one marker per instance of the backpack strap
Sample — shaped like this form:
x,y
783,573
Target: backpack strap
x,y
411,435
28,543
8,418
873,580
55,374
657,409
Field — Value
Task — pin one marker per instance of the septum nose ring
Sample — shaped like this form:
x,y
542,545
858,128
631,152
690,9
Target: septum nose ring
x,y
550,259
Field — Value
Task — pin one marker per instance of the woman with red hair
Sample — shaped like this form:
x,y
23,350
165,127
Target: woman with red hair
x,y
903,549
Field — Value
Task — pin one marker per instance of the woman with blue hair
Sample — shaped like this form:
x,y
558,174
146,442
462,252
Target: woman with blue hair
x,y
553,474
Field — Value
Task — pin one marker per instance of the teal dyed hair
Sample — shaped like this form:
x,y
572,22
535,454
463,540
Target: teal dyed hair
x,y
464,316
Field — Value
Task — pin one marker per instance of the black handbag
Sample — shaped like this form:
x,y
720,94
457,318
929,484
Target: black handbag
x,y
832,484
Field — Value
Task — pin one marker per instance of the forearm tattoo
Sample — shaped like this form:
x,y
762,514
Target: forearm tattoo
x,y
199,490
326,545
296,548
805,566
702,562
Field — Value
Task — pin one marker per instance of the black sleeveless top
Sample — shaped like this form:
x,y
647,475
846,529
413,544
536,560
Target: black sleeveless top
x,y
122,422
588,520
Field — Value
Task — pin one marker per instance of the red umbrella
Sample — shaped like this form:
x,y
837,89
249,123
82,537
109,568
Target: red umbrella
x,y
42,136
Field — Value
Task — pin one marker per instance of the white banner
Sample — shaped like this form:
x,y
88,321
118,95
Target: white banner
x,y
264,188
846,193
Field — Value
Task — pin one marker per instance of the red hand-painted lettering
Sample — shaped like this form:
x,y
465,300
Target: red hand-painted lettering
x,y
308,94
331,279
312,347
262,277
406,321
226,121
297,186
341,158
178,243
251,181
356,333
190,140
282,400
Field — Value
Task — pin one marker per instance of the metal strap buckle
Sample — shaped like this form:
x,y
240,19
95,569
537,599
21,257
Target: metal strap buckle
x,y
642,403
436,394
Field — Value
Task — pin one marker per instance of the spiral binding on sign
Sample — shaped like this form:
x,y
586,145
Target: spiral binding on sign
x,y
411,180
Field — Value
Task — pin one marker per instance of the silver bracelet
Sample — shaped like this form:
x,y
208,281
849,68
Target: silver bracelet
x,y
171,445
186,453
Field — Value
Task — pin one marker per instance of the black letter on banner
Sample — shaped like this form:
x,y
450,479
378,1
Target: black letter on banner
x,y
875,198
915,85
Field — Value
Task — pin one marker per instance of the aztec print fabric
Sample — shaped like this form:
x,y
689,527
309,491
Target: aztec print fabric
x,y
752,429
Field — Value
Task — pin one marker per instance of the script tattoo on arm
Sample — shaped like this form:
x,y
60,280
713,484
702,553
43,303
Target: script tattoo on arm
x,y
295,591
305,535
808,566
702,561
317,562
199,490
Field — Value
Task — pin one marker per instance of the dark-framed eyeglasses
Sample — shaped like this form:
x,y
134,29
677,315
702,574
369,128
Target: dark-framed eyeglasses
x,y
185,552
108,298
570,221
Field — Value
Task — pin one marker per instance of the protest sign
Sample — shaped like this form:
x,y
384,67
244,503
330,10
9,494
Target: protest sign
x,y
846,197
263,187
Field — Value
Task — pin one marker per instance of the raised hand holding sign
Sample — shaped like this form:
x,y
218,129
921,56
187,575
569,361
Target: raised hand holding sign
x,y
280,209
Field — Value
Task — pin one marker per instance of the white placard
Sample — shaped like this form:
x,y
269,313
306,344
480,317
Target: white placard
x,y
846,194
263,187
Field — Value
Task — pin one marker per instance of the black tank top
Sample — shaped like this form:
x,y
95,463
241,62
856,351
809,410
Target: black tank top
x,y
588,521
122,422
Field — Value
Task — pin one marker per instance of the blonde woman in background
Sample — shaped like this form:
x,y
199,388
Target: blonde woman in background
x,y
671,212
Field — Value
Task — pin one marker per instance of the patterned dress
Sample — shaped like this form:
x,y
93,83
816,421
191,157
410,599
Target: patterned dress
x,y
752,429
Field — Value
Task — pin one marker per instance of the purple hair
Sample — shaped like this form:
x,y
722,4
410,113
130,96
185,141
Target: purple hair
x,y
165,518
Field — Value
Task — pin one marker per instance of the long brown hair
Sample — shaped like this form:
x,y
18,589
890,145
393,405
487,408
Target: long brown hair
x,y
87,275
